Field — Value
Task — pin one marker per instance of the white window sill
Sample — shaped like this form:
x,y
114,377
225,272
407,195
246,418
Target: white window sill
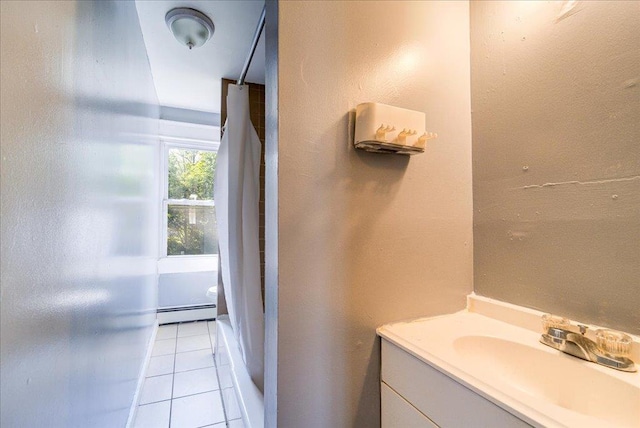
x,y
184,264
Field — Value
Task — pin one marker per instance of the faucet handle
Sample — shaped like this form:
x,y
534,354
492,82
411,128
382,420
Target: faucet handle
x,y
614,342
554,321
583,328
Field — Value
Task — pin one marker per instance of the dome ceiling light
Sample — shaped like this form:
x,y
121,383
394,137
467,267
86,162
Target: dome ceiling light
x,y
190,27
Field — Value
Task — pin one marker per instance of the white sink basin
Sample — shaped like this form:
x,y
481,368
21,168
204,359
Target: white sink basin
x,y
508,366
561,380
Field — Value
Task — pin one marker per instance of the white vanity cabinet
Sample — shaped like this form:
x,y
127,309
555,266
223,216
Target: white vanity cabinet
x,y
485,367
416,395
399,413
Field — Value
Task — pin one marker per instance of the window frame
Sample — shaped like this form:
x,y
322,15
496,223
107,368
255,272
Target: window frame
x,y
183,144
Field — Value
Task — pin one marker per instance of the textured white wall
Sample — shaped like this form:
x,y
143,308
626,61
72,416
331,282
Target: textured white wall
x,y
556,157
79,218
365,239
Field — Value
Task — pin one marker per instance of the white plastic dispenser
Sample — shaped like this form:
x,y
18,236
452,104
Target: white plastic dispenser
x,y
386,129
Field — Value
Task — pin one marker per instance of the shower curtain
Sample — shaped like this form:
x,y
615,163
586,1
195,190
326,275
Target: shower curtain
x,y
237,192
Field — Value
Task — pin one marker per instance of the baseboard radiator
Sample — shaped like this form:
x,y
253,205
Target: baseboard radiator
x,y
187,313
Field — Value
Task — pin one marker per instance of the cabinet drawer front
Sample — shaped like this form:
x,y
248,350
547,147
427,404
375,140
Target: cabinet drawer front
x,y
398,413
444,401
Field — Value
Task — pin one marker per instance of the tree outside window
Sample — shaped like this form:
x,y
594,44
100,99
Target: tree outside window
x,y
191,221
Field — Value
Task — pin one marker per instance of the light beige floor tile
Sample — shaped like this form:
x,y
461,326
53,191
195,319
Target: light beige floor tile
x,y
193,328
167,332
209,411
195,382
160,365
154,415
194,360
156,388
194,343
164,347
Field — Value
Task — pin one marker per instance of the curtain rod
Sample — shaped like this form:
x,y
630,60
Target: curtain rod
x,y
254,44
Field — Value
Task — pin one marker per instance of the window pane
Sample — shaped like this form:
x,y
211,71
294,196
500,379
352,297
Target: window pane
x,y
191,174
192,230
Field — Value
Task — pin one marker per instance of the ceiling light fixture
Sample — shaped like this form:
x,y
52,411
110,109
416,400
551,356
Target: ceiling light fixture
x,y
190,27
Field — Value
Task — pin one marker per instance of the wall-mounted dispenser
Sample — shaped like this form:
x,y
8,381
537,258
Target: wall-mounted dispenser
x,y
386,129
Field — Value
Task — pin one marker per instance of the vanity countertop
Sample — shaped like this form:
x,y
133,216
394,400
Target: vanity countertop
x,y
494,350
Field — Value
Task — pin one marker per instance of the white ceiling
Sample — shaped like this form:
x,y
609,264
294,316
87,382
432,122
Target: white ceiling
x,y
191,79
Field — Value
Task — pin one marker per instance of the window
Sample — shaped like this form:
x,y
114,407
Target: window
x,y
188,205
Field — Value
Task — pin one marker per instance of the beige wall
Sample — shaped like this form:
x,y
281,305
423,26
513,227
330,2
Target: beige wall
x,y
365,239
556,157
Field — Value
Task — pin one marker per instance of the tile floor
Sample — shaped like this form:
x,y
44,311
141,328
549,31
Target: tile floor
x,y
183,388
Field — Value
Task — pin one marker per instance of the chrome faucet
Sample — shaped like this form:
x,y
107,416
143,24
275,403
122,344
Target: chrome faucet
x,y
565,339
